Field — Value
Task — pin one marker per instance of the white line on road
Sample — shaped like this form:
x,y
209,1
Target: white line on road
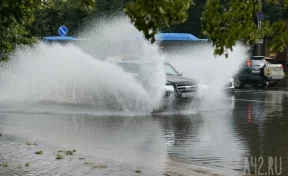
x,y
259,101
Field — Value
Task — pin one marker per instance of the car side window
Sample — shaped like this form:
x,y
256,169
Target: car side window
x,y
170,70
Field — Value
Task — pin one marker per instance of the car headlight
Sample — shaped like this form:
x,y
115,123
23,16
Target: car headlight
x,y
169,88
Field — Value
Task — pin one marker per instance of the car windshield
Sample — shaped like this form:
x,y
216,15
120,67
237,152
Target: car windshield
x,y
170,70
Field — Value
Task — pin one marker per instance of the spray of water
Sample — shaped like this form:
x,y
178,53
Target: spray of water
x,y
212,72
78,73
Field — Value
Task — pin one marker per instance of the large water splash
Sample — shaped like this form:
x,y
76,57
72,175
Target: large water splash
x,y
200,63
68,75
79,73
212,72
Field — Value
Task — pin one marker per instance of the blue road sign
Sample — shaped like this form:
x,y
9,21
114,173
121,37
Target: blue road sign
x,y
260,15
63,30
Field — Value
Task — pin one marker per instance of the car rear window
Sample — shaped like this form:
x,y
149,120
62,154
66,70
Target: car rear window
x,y
257,62
257,57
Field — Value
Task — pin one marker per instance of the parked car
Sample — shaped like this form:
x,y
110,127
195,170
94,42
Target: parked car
x,y
260,71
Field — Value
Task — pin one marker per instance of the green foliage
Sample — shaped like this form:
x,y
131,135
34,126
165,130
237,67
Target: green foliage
x,y
18,25
71,13
88,163
110,7
148,16
4,165
137,171
100,166
39,153
15,15
193,23
225,24
88,4
29,143
59,157
67,152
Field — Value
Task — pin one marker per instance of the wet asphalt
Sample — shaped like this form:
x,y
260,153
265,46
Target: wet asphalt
x,y
220,139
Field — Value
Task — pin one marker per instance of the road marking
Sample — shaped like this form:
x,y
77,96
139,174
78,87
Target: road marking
x,y
259,101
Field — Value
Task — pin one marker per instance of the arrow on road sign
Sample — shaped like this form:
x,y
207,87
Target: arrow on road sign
x,y
63,30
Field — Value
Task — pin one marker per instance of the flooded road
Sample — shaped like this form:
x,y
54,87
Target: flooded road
x,y
219,140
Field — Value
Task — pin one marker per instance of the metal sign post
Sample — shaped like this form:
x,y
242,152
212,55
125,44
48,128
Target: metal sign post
x,y
260,42
286,64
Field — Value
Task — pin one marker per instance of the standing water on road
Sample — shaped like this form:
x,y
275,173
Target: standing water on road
x,y
64,80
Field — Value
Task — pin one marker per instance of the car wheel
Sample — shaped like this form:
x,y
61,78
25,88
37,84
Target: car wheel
x,y
238,84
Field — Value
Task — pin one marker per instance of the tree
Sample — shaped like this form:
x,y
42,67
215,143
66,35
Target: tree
x,y
148,16
16,18
192,24
225,25
14,15
55,13
110,7
224,22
